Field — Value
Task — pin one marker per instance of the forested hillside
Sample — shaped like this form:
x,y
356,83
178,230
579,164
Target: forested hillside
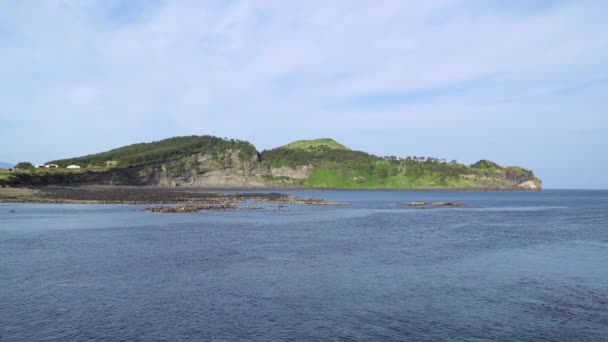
x,y
336,166
159,151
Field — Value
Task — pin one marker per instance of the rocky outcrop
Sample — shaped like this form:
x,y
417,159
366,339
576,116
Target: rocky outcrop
x,y
298,172
190,208
228,169
434,204
531,185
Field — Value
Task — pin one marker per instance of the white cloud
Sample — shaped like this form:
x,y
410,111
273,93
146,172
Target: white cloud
x,y
267,70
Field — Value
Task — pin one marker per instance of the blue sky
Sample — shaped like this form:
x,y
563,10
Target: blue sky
x,y
518,82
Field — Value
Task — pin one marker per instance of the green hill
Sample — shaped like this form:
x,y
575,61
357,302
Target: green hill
x,y
316,145
160,151
332,165
410,174
319,151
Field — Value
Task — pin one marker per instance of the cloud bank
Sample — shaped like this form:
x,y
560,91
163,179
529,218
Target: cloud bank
x,y
516,82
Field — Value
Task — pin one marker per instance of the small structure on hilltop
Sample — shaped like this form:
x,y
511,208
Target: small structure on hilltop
x,y
47,166
73,167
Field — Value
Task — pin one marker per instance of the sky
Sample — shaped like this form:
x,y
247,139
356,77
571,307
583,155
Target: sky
x,y
518,82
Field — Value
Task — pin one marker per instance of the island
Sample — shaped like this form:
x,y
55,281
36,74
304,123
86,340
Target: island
x,y
212,162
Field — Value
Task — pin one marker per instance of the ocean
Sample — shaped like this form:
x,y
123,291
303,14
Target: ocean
x,y
506,267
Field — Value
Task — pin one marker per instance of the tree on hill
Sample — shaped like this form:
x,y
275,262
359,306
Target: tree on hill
x,y
295,156
24,166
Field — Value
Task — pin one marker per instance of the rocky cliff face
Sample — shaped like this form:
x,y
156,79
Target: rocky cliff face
x,y
228,169
530,185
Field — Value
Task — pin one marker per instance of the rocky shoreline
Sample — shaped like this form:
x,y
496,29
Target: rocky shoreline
x,y
177,200
199,198
190,208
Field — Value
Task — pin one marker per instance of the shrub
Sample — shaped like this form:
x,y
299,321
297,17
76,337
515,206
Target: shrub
x,y
24,166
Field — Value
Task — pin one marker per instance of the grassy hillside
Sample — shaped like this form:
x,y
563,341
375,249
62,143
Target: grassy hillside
x,y
159,151
316,145
7,177
410,174
343,168
315,152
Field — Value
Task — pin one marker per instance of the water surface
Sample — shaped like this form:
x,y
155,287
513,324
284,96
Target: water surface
x,y
509,267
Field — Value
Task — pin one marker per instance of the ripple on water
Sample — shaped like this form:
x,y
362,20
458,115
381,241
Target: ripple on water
x,y
510,267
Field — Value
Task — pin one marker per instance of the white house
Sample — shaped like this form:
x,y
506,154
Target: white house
x,y
73,167
47,166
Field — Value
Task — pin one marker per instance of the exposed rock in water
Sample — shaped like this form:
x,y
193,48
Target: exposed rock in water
x,y
433,204
416,204
280,199
253,208
190,208
305,200
448,204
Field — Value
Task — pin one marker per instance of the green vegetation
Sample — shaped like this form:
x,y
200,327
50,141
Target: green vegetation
x,y
514,173
160,151
305,152
343,168
6,175
401,174
51,171
177,168
486,165
316,144
24,166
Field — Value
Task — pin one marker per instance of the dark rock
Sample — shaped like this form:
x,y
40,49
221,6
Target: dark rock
x,y
416,204
190,208
448,204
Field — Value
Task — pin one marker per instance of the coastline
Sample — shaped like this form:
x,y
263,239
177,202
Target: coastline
x,y
112,194
129,194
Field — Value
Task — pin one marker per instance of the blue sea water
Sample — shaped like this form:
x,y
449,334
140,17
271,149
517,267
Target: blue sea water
x,y
508,267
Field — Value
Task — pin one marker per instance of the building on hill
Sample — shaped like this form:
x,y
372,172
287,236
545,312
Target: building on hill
x,y
73,167
47,166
